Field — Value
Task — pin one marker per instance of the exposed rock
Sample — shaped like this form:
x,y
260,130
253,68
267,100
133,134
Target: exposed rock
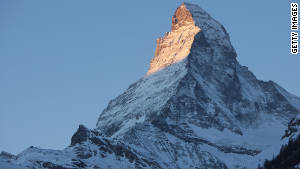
x,y
176,44
80,135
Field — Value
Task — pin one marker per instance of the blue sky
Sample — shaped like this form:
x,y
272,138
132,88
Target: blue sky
x,y
62,61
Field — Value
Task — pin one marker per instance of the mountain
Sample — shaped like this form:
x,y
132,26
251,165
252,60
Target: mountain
x,y
289,155
196,107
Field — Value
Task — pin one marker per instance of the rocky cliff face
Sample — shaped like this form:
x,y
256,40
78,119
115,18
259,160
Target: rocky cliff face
x,y
176,45
197,107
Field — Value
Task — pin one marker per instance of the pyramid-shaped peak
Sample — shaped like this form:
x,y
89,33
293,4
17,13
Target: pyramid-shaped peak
x,y
188,12
188,21
192,7
181,17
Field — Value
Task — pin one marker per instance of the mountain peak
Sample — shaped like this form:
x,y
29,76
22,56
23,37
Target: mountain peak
x,y
181,17
198,107
175,45
188,21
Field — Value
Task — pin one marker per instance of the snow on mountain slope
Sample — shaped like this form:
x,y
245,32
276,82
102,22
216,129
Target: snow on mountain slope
x,y
141,99
209,77
201,96
196,107
88,149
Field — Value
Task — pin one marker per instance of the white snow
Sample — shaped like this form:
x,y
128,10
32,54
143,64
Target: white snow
x,y
294,100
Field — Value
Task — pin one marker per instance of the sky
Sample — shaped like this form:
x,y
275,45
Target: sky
x,y
62,61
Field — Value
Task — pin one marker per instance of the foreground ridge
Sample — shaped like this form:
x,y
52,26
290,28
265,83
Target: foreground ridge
x,y
197,107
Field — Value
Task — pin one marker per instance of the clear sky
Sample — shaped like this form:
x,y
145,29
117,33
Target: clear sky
x,y
62,61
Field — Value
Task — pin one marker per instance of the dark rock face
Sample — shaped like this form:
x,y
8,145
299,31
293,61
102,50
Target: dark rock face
x,y
53,166
6,155
289,155
105,148
80,135
293,128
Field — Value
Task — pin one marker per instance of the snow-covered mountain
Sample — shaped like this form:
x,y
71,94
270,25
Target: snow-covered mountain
x,y
196,107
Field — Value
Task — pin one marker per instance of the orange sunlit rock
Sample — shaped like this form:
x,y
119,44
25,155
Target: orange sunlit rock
x,y
175,45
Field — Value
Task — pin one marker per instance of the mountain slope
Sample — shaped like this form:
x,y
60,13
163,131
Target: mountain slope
x,y
196,107
289,153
